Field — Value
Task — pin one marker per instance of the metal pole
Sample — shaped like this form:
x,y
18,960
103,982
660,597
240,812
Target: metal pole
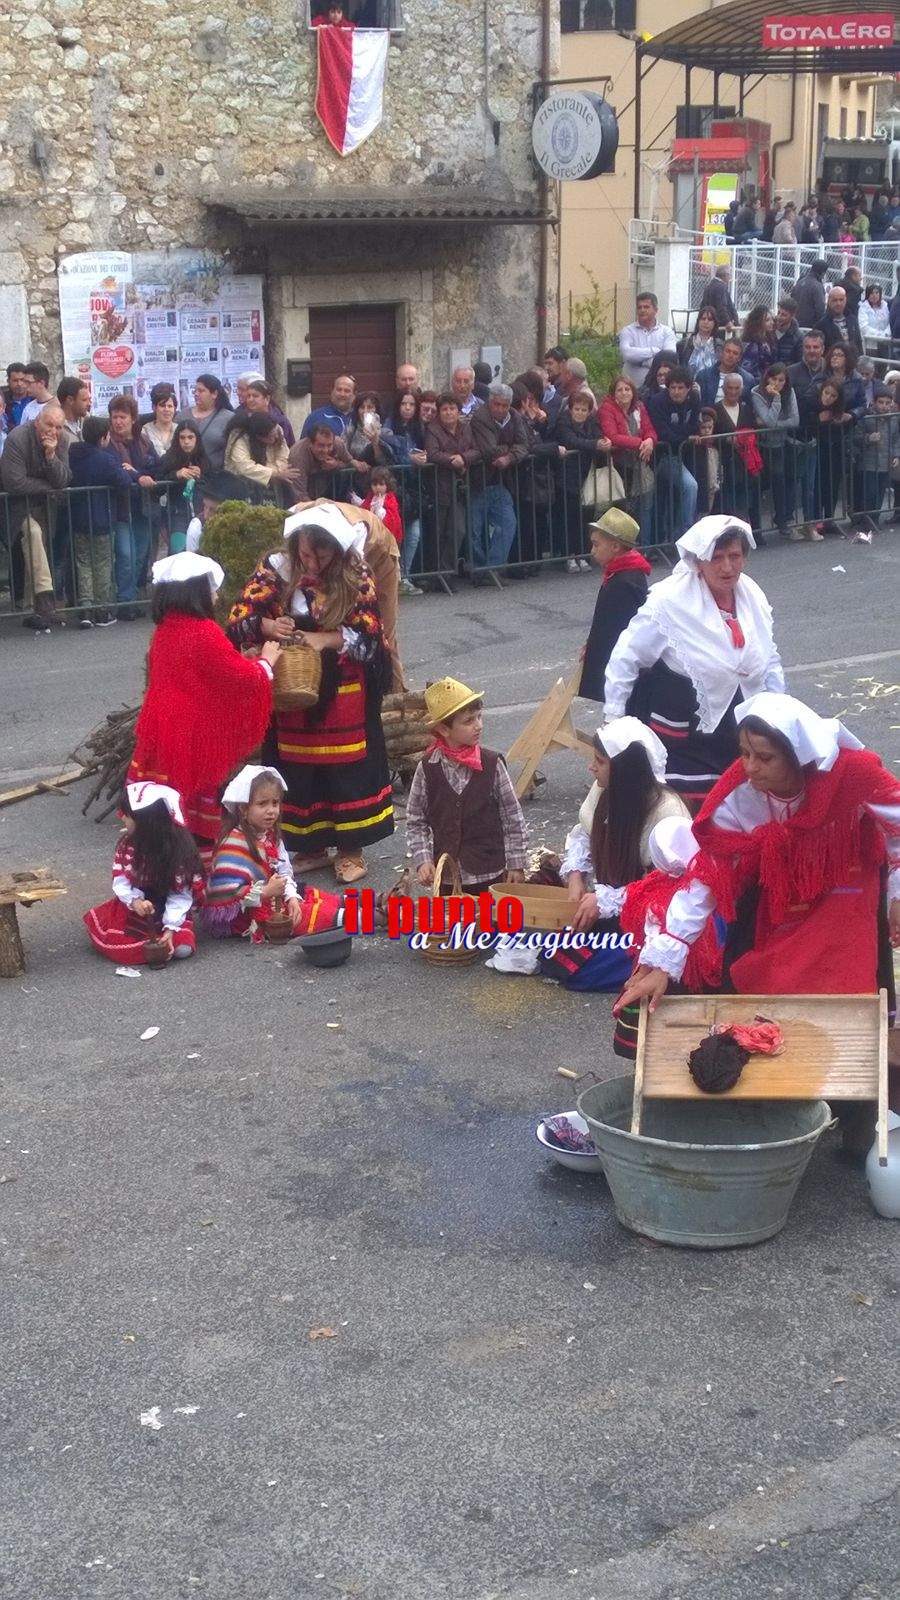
x,y
687,86
715,93
638,73
741,94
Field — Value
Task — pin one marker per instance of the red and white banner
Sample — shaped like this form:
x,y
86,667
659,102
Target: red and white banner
x,y
832,31
351,83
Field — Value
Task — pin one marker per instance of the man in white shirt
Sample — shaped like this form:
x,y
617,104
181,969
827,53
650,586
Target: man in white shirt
x,y
643,339
38,377
462,384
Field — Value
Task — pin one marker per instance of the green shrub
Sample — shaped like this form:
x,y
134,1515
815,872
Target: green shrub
x,y
237,536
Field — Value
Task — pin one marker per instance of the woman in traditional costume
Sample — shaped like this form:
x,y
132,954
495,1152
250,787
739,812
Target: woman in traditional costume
x,y
800,854
205,708
700,645
319,593
608,849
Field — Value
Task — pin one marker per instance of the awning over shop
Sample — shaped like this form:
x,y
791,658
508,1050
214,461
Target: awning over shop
x,y
346,206
730,39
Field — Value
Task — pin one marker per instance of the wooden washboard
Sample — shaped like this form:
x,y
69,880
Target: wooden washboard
x,y
835,1045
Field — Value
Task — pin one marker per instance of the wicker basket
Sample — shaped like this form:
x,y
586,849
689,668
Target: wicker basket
x,y
435,946
298,677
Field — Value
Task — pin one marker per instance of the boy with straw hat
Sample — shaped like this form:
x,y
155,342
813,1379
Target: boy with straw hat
x,y
462,801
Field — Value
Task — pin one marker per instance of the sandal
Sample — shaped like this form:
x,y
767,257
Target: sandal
x,y
311,863
349,869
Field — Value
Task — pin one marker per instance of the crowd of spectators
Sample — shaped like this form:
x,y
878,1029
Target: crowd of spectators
x,y
484,478
851,218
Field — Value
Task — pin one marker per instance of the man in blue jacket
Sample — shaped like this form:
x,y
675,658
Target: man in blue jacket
x,y
338,414
710,379
675,414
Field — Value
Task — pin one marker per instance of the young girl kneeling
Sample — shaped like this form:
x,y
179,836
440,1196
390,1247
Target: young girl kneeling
x,y
251,873
156,881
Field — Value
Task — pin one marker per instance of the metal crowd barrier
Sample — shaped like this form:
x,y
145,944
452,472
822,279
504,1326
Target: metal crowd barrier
x,y
98,544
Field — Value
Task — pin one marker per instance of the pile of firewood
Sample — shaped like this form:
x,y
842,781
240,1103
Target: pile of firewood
x,y
106,752
406,734
105,756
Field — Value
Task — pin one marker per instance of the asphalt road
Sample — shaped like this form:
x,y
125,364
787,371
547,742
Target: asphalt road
x,y
520,1400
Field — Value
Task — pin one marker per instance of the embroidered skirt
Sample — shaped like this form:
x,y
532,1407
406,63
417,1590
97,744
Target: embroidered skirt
x,y
339,791
121,936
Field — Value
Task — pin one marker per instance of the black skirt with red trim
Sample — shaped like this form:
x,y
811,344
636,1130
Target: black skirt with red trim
x,y
667,702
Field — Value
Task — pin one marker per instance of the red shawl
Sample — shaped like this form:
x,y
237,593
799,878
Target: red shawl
x,y
810,853
628,561
206,708
653,894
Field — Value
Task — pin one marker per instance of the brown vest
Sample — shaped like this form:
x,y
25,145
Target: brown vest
x,y
467,826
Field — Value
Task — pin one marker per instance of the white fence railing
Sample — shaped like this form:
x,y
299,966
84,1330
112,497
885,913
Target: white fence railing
x,y
762,274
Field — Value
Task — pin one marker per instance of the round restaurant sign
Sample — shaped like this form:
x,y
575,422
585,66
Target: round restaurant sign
x,y
575,135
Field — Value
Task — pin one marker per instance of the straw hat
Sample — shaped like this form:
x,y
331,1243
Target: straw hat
x,y
444,698
618,525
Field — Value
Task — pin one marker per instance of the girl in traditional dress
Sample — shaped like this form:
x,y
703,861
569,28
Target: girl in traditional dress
x,y
156,880
251,870
609,848
332,756
205,707
701,644
800,853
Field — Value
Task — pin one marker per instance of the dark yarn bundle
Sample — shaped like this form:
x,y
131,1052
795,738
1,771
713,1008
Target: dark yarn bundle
x,y
717,1063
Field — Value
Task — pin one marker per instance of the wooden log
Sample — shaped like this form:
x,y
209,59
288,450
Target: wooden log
x,y
12,955
406,746
41,786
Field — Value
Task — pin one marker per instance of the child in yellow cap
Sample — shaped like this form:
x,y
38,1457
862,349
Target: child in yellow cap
x,y
462,800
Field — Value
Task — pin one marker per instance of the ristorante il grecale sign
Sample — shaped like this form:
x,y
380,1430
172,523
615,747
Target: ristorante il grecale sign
x,y
831,31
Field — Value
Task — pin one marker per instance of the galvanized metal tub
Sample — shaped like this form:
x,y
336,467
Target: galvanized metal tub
x,y
710,1173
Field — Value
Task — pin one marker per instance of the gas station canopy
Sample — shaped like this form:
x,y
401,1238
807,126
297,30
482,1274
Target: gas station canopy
x,y
730,39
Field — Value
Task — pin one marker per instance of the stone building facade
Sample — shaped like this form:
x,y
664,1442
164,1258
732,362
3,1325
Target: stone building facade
x,y
159,127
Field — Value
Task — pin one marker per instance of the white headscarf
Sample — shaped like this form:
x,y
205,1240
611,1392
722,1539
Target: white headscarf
x,y
686,614
251,377
624,731
188,564
238,791
700,540
811,737
142,795
672,845
349,535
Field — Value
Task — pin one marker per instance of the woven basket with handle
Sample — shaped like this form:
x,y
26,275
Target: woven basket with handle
x,y
436,946
298,677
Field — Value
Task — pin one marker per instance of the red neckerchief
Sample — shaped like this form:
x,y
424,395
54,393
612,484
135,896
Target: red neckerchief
x,y
628,561
810,852
465,755
734,628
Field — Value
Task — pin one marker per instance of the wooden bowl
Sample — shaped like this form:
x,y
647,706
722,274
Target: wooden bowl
x,y
156,954
278,928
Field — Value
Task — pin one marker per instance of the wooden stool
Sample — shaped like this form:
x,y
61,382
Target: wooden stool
x,y
834,1045
21,889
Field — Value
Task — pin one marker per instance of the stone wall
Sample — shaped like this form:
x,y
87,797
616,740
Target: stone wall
x,y
112,119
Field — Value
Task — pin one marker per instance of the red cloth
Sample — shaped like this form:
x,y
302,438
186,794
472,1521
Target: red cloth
x,y
653,894
390,516
816,925
614,426
760,1037
206,709
628,561
734,628
748,450
465,755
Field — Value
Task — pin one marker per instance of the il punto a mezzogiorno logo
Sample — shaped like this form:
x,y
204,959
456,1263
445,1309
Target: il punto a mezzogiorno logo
x,y
471,922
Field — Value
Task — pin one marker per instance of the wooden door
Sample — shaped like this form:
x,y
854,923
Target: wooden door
x,y
359,340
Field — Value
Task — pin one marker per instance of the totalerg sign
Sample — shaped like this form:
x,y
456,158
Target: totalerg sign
x,y
833,31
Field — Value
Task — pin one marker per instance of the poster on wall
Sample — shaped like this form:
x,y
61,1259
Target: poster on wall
x,y
130,320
